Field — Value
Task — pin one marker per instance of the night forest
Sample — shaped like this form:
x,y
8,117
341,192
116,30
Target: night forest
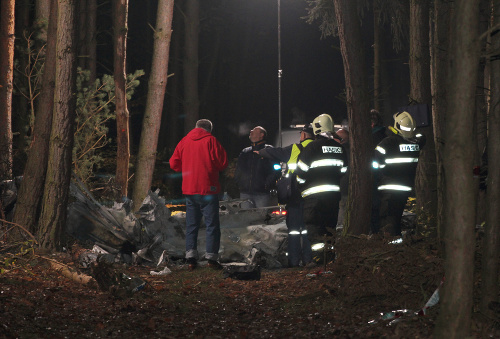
x,y
101,91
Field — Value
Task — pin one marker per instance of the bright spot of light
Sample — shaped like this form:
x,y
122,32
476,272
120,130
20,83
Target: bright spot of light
x,y
396,241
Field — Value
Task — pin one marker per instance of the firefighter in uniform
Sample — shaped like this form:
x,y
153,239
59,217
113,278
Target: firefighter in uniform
x,y
396,159
320,167
299,247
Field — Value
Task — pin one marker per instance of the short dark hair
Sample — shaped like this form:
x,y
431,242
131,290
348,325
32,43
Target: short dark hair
x,y
205,124
376,118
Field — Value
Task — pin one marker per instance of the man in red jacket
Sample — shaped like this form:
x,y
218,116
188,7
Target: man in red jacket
x,y
200,158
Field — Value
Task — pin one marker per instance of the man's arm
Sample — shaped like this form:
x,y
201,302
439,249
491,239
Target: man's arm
x,y
175,160
281,154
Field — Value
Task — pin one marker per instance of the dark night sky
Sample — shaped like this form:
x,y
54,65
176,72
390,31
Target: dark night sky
x,y
243,91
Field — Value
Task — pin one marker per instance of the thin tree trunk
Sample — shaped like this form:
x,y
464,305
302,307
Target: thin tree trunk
x,y
377,51
42,12
6,78
439,54
82,33
420,91
31,190
489,287
170,121
56,191
191,38
480,125
357,108
174,89
122,114
454,320
154,105
91,39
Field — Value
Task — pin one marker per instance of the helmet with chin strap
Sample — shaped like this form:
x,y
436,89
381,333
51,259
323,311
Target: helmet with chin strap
x,y
404,124
322,123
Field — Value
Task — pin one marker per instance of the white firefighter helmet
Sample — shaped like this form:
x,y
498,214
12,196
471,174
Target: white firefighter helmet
x,y
404,124
322,123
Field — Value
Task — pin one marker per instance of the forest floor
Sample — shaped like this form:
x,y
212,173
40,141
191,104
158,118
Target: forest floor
x,y
352,299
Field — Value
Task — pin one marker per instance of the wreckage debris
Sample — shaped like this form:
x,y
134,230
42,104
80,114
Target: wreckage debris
x,y
241,272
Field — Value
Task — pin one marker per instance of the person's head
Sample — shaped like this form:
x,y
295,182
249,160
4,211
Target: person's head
x,y
258,134
343,135
322,123
376,118
306,132
404,124
205,124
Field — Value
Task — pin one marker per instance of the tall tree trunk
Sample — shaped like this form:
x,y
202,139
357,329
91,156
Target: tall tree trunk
x,y
489,288
31,190
146,156
122,115
191,38
91,39
458,152
480,125
42,13
357,108
377,51
22,119
56,191
82,33
170,121
420,91
6,77
439,53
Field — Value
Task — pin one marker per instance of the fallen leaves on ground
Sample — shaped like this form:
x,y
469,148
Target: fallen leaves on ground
x,y
369,278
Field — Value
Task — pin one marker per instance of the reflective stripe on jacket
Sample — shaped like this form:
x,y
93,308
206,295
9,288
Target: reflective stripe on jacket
x,y
319,167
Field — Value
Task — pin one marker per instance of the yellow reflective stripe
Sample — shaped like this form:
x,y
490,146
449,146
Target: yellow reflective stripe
x,y
304,232
343,169
320,189
300,180
294,233
292,166
394,188
400,160
375,164
327,162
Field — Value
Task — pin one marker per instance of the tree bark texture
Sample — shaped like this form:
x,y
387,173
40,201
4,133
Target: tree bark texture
x,y
454,320
191,38
31,190
170,121
439,53
42,12
360,184
91,41
146,156
489,288
377,52
6,85
82,12
56,192
122,114
420,91
22,118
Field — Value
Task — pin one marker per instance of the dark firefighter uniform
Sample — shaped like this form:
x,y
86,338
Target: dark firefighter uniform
x,y
396,159
299,247
319,169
